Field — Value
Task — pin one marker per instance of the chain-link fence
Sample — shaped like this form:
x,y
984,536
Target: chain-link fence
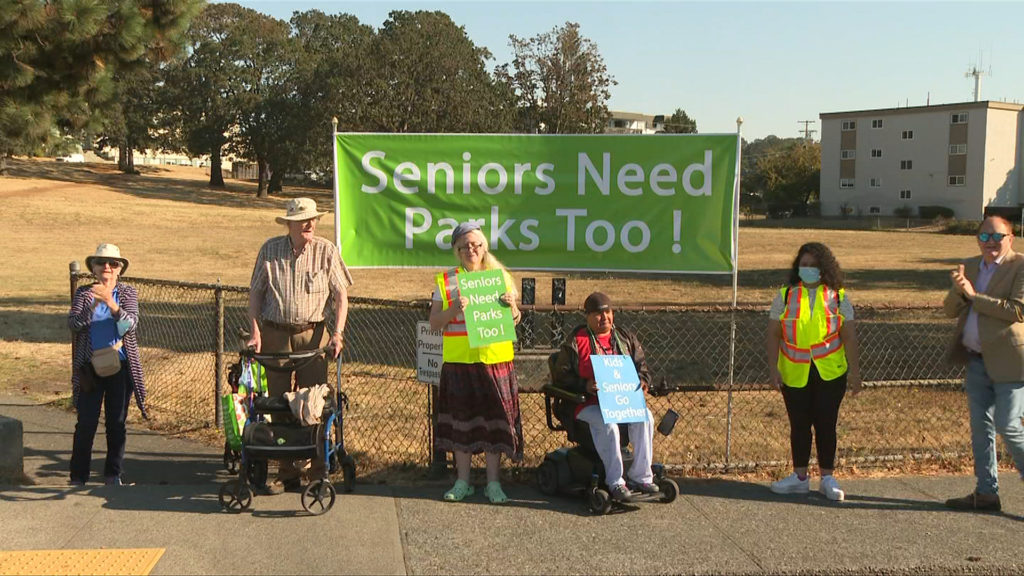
x,y
707,364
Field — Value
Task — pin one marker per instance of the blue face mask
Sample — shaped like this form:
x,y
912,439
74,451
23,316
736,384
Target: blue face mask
x,y
810,274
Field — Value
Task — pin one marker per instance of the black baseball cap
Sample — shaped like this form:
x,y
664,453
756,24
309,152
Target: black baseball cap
x,y
597,302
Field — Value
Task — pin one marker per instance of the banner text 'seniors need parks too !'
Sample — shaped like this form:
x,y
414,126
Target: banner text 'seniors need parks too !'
x,y
658,203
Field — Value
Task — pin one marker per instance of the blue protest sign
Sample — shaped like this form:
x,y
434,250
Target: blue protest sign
x,y
618,389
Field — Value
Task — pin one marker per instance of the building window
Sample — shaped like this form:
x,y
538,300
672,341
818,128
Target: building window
x,y
906,164
904,194
957,149
849,125
847,154
876,152
958,118
874,210
957,180
908,134
875,183
877,123
846,182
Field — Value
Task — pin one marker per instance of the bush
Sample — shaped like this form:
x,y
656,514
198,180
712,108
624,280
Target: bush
x,y
932,212
904,211
954,226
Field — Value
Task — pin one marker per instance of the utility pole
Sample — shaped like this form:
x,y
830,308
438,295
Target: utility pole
x,y
807,128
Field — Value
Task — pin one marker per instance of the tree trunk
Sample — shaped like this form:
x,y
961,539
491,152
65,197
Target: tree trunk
x,y
264,181
3,163
131,161
122,156
216,170
276,177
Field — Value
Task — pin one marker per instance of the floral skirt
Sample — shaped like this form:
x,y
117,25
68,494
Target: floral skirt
x,y
478,409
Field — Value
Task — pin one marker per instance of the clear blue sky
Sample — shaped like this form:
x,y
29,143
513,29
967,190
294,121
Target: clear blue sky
x,y
773,63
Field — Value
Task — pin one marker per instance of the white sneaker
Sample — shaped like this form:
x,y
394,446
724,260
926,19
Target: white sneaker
x,y
830,488
792,484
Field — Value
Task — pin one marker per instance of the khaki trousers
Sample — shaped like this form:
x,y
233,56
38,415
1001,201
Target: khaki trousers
x,y
274,340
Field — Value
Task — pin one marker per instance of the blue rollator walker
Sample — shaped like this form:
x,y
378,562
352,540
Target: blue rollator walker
x,y
264,439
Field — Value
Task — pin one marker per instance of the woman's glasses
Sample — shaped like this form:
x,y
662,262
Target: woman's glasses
x,y
986,236
107,262
474,246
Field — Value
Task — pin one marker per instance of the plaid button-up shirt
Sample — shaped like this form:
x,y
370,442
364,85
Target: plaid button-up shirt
x,y
294,289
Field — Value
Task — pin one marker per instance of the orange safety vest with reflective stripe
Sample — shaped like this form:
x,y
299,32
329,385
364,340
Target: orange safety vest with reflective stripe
x,y
810,337
455,340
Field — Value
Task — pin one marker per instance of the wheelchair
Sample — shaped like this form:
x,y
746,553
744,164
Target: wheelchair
x,y
578,470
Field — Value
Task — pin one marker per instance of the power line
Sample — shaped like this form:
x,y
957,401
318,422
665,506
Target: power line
x,y
807,128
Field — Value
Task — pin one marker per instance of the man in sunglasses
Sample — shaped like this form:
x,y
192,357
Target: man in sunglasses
x,y
987,297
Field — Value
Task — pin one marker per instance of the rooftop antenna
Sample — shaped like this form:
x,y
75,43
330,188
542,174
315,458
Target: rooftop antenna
x,y
977,72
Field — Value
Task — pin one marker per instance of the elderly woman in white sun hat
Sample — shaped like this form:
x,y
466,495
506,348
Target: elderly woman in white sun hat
x,y
106,369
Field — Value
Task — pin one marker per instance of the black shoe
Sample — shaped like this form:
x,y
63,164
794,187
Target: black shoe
x,y
976,501
620,493
646,488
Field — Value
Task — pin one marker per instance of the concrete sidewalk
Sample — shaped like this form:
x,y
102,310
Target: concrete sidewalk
x,y
886,526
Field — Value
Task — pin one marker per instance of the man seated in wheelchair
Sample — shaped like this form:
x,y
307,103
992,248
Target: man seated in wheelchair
x,y
572,371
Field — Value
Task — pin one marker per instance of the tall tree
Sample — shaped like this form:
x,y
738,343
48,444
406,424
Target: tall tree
x,y
202,92
430,77
332,63
560,82
785,173
680,123
58,59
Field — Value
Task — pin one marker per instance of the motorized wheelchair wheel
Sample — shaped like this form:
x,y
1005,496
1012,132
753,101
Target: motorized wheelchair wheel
x,y
318,497
235,496
547,478
599,501
231,459
669,490
348,468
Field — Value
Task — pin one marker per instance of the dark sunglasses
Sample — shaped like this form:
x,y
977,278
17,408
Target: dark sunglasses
x,y
105,261
997,236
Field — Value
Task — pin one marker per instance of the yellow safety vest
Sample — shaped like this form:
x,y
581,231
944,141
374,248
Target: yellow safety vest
x,y
455,340
810,337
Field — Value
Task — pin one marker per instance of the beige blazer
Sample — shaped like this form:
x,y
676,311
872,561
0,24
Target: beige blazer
x,y
1000,319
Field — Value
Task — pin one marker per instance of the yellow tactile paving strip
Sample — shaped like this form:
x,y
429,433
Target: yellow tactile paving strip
x,y
61,562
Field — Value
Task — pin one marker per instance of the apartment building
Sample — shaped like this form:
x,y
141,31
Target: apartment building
x,y
966,156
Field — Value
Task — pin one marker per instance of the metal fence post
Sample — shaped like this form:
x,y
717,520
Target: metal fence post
x,y
218,296
732,372
73,269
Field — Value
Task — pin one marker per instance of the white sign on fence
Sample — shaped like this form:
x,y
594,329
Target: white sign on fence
x,y
428,354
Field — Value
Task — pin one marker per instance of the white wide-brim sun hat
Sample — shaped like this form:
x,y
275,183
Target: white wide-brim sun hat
x,y
107,251
299,209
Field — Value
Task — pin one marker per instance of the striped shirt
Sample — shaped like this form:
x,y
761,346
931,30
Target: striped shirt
x,y
294,289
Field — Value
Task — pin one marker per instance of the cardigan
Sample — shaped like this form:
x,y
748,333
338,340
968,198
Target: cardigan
x,y
79,319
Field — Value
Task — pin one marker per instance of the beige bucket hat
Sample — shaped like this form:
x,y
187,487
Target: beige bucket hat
x,y
110,251
299,209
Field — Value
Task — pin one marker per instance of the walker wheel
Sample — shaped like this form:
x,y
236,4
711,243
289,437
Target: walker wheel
x,y
599,501
348,467
234,496
669,490
318,497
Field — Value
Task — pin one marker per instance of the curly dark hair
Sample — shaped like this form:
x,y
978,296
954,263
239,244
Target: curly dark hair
x,y
831,274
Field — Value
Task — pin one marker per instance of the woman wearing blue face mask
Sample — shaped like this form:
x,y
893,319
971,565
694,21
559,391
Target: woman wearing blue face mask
x,y
813,356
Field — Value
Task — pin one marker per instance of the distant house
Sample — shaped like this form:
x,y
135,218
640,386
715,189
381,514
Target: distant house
x,y
966,157
634,123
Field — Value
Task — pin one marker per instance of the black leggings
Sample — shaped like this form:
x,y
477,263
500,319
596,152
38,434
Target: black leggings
x,y
816,404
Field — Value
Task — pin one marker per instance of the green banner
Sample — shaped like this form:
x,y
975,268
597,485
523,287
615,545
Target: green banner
x,y
488,321
657,203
